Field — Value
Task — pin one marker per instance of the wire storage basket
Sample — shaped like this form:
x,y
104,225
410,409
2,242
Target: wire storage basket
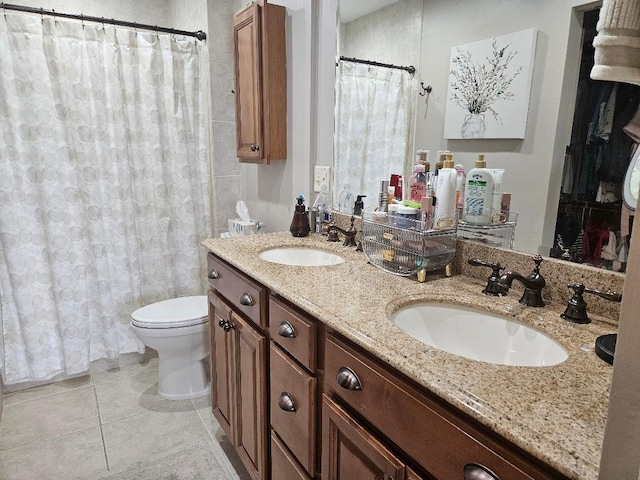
x,y
407,247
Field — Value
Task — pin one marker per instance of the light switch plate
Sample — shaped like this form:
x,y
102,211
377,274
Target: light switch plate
x,y
320,175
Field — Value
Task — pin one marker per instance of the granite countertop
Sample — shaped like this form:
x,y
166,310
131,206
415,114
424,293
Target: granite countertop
x,y
556,413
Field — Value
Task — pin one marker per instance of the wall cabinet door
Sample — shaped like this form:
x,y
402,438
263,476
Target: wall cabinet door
x,y
239,387
349,451
260,83
246,36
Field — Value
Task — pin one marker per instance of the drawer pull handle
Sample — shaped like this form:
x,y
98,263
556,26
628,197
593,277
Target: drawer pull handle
x,y
473,471
285,402
285,329
347,378
213,274
246,300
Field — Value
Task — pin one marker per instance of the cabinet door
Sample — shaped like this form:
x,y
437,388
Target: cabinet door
x,y
349,451
251,421
222,363
248,90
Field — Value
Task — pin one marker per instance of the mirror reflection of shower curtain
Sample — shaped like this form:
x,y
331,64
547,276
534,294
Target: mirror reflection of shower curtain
x,y
373,127
103,187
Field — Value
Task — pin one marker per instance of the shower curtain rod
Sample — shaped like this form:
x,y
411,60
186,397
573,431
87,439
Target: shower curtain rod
x,y
409,69
200,35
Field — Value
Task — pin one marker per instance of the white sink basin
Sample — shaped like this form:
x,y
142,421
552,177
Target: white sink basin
x,y
300,256
479,335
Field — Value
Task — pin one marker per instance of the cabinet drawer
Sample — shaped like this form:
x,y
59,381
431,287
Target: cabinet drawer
x,y
246,296
283,465
293,407
417,425
293,332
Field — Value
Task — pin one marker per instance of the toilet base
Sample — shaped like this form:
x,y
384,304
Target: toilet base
x,y
184,396
181,377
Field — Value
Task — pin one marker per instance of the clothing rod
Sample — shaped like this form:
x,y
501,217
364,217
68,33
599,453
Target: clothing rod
x,y
409,69
200,35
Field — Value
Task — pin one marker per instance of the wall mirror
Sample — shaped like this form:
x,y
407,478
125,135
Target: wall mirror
x,y
534,166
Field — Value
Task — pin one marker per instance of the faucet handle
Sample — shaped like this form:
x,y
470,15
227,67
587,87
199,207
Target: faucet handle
x,y
493,282
608,295
576,310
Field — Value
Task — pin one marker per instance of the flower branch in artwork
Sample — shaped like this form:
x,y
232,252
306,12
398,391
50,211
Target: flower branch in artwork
x,y
477,87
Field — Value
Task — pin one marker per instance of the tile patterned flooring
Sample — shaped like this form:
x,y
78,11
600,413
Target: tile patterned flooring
x,y
90,426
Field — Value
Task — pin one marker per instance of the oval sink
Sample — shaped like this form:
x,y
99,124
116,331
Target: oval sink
x,y
479,335
300,256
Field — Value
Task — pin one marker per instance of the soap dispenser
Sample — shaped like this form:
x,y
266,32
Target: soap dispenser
x,y
358,205
300,223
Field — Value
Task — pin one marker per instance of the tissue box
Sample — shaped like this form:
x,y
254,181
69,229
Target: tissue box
x,y
243,227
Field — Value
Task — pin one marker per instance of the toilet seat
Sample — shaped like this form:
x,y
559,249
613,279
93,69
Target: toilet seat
x,y
173,313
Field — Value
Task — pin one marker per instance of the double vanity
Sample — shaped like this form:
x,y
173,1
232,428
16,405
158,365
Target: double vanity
x,y
324,366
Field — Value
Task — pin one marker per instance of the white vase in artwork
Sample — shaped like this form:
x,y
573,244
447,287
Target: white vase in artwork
x,y
473,126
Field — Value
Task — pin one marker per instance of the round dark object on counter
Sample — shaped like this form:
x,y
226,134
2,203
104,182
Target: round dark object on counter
x,y
606,347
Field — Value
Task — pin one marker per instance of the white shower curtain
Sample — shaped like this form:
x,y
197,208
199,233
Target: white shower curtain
x,y
373,127
103,187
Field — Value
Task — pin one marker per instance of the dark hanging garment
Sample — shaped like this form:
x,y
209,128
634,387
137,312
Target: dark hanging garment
x,y
617,154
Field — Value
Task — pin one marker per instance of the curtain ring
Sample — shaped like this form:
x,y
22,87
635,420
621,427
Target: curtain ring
x,y
82,20
41,15
157,32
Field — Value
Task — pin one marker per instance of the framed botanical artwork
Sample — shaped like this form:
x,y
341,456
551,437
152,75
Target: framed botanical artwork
x,y
489,87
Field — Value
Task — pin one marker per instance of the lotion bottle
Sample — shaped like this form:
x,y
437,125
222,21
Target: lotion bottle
x,y
444,217
478,194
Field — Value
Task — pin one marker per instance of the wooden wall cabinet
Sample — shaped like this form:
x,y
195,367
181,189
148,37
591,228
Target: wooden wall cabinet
x,y
239,368
260,83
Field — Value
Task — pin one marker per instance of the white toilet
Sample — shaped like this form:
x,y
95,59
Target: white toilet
x,y
178,329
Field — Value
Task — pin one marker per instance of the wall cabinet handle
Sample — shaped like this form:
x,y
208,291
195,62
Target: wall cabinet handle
x,y
246,300
473,471
213,274
347,378
285,402
285,329
254,148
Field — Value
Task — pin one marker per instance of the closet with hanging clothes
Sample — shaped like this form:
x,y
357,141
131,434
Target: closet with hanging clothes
x,y
593,225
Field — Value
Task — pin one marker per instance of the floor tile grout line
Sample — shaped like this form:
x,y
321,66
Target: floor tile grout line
x,y
104,445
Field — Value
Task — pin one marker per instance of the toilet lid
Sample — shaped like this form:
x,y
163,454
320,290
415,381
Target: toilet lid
x,y
176,312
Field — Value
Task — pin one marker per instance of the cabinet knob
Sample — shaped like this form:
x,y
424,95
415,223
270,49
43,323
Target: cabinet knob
x,y
213,274
285,402
473,471
254,148
347,378
246,300
285,329
226,325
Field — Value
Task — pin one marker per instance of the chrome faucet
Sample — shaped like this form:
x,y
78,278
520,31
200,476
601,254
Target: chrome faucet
x,y
349,234
533,283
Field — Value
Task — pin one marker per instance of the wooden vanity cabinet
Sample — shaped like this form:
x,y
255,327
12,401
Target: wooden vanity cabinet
x,y
293,391
260,83
239,365
350,451
364,395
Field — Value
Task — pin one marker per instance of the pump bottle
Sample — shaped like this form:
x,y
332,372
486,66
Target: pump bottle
x,y
300,222
478,194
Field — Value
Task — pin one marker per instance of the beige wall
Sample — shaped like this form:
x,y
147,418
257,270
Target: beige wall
x,y
533,165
